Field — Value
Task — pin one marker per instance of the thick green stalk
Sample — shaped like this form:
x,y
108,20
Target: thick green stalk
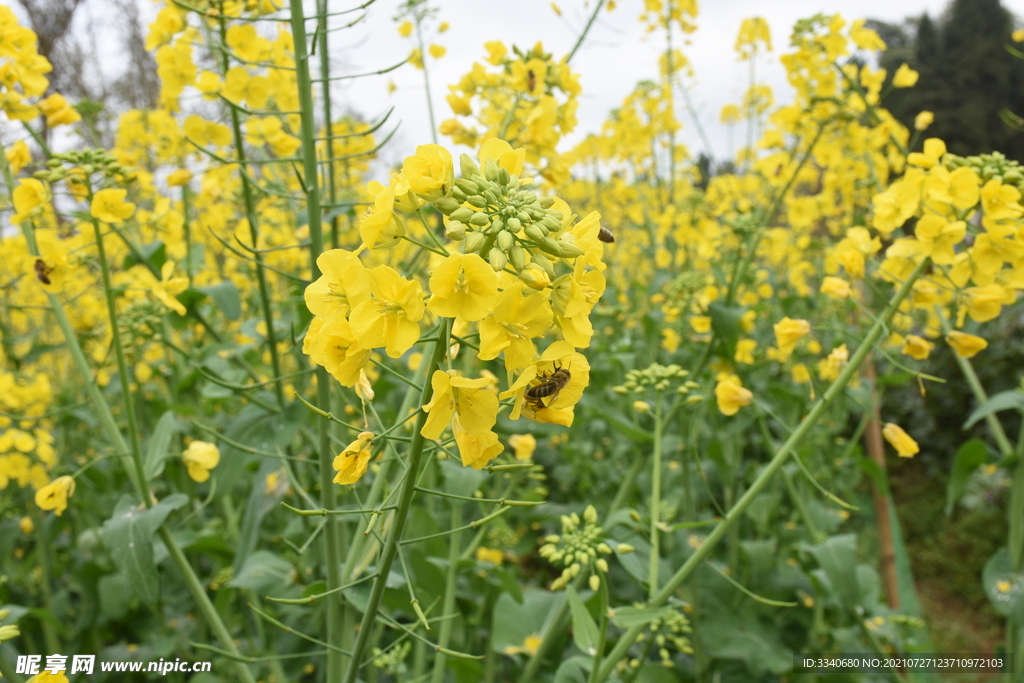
x,y
332,530
325,92
250,214
602,637
122,369
106,419
764,478
50,636
445,636
412,468
652,573
586,30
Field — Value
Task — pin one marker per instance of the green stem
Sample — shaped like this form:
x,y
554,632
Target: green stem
x,y
43,553
602,638
652,572
586,30
401,514
332,530
254,234
796,438
426,79
454,551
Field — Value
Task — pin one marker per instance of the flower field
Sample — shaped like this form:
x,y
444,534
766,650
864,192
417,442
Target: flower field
x,y
513,409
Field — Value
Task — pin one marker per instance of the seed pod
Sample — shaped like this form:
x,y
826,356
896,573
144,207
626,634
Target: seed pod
x,y
446,205
469,169
497,259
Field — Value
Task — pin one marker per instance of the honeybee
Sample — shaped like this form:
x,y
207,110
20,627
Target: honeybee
x,y
550,385
42,271
531,80
605,235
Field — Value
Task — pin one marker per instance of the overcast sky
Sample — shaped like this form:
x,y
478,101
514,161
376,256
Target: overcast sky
x,y
616,55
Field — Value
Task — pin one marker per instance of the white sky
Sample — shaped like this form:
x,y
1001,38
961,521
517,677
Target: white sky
x,y
616,55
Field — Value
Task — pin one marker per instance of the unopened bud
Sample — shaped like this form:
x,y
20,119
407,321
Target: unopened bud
x,y
455,231
446,205
534,276
535,232
462,214
491,170
517,256
625,548
546,202
570,250
514,224
479,218
475,242
469,170
497,258
595,582
505,240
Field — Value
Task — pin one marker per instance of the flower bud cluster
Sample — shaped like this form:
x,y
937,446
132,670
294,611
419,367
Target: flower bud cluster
x,y
579,546
989,166
85,162
669,631
500,217
658,377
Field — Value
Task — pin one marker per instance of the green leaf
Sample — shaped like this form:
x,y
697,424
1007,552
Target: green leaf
x,y
1004,587
725,321
225,295
158,444
1004,400
971,455
837,557
628,617
574,670
513,622
459,480
128,535
745,637
584,629
14,613
154,254
115,595
263,572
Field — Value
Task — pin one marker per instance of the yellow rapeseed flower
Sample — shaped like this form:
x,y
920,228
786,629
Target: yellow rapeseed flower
x,y
523,445
54,496
350,464
200,457
730,395
905,446
464,286
966,345
109,206
390,318
430,172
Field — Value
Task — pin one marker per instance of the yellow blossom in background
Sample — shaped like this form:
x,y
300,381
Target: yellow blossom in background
x,y
523,445
405,29
18,156
745,351
110,206
492,555
731,395
437,51
923,120
350,464
701,324
835,287
26,525
30,197
200,457
787,333
169,287
54,496
430,172
800,374
905,446
180,177
475,404
830,366
905,77
917,347
966,345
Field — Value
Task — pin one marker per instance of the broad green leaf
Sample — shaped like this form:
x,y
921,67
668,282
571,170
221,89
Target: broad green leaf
x,y
263,573
513,622
225,295
270,485
459,480
128,535
584,629
971,455
725,321
627,617
745,637
115,595
837,557
154,253
1004,400
14,612
1004,587
158,445
576,669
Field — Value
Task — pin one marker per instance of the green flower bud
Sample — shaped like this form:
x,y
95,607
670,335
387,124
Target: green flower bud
x,y
550,246
469,170
535,232
517,256
505,240
545,263
497,259
446,205
491,170
461,214
570,250
477,201
475,242
467,186
625,548
595,582
524,217
479,218
497,226
41,175
503,177
546,202
551,224
55,176
459,195
455,231
514,224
